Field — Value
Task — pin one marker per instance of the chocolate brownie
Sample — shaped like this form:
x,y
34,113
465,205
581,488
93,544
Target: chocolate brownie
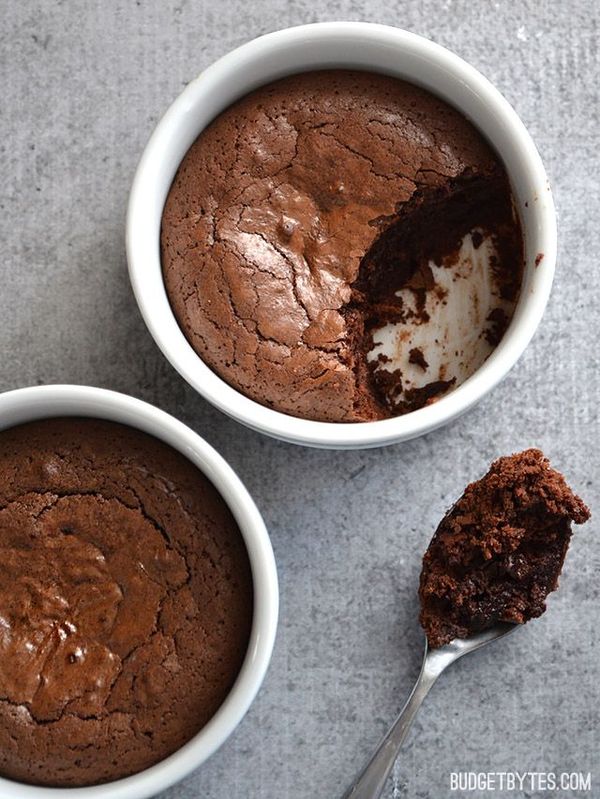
x,y
301,211
499,551
125,601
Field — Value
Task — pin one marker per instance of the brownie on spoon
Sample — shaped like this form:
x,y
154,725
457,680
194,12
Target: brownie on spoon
x,y
499,551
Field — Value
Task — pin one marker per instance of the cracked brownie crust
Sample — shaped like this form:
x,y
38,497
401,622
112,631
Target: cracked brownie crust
x,y
274,208
499,551
125,601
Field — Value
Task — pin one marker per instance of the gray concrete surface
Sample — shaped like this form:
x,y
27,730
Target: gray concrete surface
x,y
83,84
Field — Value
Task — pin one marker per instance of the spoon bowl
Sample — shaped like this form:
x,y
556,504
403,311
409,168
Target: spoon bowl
x,y
436,660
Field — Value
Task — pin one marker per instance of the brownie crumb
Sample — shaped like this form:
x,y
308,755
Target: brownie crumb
x,y
539,258
420,397
416,356
477,239
498,323
499,551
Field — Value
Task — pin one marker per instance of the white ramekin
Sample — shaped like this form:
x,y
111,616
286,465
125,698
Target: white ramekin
x,y
328,45
39,402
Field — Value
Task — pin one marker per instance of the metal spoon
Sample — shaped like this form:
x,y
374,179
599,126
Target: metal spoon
x,y
371,781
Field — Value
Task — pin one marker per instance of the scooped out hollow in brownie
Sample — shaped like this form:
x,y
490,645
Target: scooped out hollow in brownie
x,y
430,228
499,551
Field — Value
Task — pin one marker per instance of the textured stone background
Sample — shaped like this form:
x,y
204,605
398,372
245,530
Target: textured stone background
x,y
83,84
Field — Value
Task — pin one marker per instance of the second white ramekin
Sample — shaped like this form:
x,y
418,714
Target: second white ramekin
x,y
355,45
40,402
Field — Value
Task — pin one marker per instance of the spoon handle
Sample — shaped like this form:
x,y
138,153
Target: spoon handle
x,y
371,781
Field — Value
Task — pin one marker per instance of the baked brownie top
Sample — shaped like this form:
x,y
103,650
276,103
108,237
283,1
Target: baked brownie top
x,y
274,208
125,601
499,551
